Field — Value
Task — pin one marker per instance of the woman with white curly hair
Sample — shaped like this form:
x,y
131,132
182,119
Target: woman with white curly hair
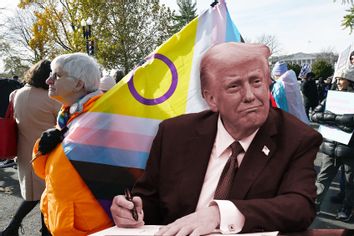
x,y
68,205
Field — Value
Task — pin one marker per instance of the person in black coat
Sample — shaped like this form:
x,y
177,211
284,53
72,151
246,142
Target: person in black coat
x,y
6,87
309,92
322,89
336,153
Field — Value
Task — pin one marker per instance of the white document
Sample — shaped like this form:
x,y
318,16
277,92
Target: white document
x,y
274,233
144,230
340,102
335,134
149,230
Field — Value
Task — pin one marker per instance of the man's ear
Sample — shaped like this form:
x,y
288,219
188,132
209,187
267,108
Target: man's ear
x,y
79,85
210,99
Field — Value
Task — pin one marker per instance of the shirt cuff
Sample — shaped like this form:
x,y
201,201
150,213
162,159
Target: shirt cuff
x,y
231,219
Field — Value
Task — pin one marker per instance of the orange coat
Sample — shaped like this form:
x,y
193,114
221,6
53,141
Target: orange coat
x,y
68,206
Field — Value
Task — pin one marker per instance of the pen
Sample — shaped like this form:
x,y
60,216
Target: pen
x,y
128,196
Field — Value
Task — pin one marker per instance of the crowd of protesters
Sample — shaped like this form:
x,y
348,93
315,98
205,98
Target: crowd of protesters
x,y
336,155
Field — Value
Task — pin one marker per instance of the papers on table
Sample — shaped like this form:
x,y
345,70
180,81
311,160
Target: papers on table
x,y
148,230
144,230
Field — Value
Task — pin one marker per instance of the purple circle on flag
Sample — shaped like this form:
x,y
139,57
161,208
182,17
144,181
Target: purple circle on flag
x,y
170,91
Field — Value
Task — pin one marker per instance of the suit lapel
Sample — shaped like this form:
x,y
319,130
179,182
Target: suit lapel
x,y
256,158
198,149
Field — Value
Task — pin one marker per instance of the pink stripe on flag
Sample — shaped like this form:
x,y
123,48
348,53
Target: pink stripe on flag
x,y
110,139
219,25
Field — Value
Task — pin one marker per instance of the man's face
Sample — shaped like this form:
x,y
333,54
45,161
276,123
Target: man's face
x,y
240,93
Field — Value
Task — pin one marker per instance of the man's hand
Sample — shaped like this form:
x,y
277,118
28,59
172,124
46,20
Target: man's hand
x,y
201,222
50,139
121,212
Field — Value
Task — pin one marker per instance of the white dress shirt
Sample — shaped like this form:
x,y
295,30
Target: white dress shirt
x,y
231,219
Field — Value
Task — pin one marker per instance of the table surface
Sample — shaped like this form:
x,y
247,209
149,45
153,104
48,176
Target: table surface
x,y
323,232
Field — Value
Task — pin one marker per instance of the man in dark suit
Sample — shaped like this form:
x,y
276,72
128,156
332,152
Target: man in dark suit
x,y
273,181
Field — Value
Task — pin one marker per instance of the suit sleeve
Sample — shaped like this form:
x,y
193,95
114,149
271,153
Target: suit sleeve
x,y
147,186
292,208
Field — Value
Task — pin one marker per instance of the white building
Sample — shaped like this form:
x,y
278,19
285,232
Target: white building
x,y
301,58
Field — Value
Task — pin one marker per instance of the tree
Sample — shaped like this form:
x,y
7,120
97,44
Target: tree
x,y
348,19
295,67
322,68
165,24
346,1
14,48
123,31
328,55
56,28
271,41
22,28
130,30
187,12
14,66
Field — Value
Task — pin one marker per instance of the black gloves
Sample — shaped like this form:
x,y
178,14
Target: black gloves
x,y
329,117
50,139
326,117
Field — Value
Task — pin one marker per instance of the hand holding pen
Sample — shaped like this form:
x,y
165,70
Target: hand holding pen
x,y
127,210
128,196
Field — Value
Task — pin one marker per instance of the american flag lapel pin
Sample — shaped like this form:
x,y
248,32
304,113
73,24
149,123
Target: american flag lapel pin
x,y
265,150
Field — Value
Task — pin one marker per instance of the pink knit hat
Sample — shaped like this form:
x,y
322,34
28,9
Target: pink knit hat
x,y
106,83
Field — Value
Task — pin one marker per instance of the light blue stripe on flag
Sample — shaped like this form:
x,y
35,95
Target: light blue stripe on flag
x,y
108,156
232,33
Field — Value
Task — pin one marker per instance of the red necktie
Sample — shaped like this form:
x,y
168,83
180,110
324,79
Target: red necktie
x,y
228,173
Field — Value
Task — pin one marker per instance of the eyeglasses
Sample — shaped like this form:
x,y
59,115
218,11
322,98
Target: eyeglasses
x,y
54,76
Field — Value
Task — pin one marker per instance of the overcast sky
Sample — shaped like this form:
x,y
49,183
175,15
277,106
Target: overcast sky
x,y
299,26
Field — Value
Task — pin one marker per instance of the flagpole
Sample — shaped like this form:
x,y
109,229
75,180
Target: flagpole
x,y
213,4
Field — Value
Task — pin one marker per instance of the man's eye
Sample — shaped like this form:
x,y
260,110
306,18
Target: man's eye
x,y
257,81
233,86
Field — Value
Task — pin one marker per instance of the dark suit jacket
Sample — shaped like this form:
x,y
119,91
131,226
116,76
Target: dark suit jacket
x,y
274,192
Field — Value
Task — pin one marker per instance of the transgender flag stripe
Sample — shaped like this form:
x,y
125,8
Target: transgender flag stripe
x,y
107,156
111,139
214,26
115,122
